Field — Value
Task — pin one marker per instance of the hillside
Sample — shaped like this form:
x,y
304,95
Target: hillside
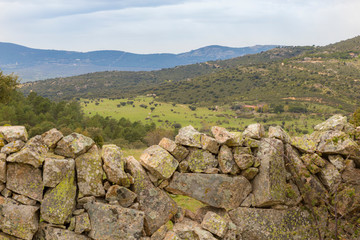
x,y
125,83
36,64
326,75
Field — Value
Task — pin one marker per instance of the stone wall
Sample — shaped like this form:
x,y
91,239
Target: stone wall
x,y
256,185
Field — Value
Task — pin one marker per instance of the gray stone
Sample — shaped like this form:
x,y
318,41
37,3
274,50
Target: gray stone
x,y
250,142
255,131
55,170
53,233
12,133
23,199
13,147
348,199
3,167
330,177
256,223
338,161
189,136
25,179
111,222
178,151
226,161
309,185
268,185
33,153
210,144
336,122
19,220
293,195
159,162
199,160
250,173
221,134
215,224
59,202
6,193
160,233
82,223
308,160
249,201
243,157
90,173
122,195
183,166
304,144
4,236
78,212
52,137
236,140
73,145
114,165
159,208
170,235
336,142
191,230
217,190
351,175
82,201
279,133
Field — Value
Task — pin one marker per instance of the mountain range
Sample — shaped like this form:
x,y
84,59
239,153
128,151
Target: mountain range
x,y
309,75
36,64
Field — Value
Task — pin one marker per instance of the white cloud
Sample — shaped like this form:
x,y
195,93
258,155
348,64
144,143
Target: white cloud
x,y
175,26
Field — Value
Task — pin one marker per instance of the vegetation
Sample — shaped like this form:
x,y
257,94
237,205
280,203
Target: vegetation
x,y
8,84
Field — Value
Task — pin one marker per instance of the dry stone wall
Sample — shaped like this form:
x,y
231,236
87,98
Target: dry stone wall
x,y
256,185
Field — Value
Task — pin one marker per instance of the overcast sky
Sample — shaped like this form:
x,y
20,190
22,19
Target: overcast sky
x,y
150,26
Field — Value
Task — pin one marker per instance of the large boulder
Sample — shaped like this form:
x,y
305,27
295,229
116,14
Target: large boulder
x,y
90,173
179,152
2,167
189,136
25,179
55,170
309,185
279,133
12,147
210,144
111,222
73,145
304,143
52,137
257,223
221,134
330,177
122,195
188,229
226,161
20,221
12,133
215,224
200,160
53,233
255,131
33,153
336,142
243,157
159,208
217,190
59,201
269,184
159,162
114,164
336,122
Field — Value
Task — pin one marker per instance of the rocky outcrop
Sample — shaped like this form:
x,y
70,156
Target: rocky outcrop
x,y
255,185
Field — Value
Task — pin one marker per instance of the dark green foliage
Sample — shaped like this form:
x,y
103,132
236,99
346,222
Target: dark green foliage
x,y
8,84
40,114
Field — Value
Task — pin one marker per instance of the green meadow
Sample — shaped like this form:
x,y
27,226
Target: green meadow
x,y
168,115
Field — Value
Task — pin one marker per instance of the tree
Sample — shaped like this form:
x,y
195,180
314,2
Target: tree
x,y
8,85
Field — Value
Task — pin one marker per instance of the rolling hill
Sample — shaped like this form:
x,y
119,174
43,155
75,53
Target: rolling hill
x,y
326,75
36,64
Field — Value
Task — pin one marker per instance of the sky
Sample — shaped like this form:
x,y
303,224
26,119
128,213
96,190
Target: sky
x,y
170,26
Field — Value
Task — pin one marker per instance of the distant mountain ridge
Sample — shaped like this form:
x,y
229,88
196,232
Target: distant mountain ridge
x,y
36,64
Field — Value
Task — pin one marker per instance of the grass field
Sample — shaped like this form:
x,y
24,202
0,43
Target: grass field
x,y
147,110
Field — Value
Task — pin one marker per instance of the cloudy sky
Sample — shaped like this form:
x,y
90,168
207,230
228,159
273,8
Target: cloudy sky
x,y
149,26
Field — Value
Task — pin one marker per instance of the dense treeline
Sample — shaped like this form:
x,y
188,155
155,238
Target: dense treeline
x,y
39,114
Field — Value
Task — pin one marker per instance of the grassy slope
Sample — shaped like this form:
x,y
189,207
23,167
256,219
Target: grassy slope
x,y
202,118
